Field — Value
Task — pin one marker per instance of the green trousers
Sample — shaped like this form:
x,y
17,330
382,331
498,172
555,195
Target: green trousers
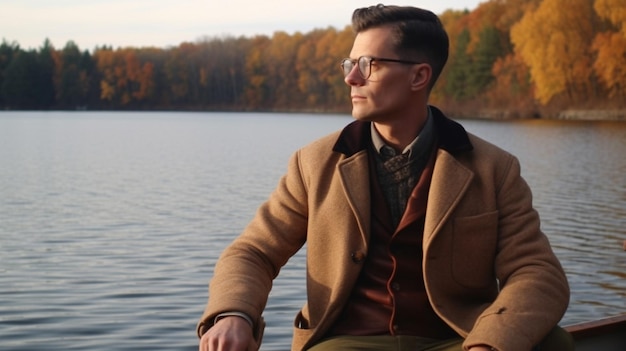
x,y
557,340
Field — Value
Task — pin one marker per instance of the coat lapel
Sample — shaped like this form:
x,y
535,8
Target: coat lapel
x,y
354,173
450,178
449,182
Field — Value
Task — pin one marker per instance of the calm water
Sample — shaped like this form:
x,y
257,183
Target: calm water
x,y
110,223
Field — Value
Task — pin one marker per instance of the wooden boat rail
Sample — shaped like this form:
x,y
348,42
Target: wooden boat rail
x,y
607,334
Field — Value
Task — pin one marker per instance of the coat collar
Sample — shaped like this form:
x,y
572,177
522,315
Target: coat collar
x,y
451,136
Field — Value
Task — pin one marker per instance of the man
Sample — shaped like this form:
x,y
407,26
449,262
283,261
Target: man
x,y
419,236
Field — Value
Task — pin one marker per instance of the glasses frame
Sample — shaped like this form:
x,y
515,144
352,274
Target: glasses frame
x,y
370,59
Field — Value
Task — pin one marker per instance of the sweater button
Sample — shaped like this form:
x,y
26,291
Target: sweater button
x,y
357,256
395,286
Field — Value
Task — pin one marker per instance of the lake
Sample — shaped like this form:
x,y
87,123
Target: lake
x,y
111,222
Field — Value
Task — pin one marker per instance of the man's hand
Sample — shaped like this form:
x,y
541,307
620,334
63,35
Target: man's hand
x,y
229,334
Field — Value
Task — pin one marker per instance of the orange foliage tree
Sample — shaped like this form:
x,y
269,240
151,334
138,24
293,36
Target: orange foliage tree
x,y
257,91
281,70
124,80
610,47
555,42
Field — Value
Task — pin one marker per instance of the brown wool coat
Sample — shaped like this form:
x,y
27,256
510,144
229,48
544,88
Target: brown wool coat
x,y
489,271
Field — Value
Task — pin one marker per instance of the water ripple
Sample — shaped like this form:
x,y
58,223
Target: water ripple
x,y
110,224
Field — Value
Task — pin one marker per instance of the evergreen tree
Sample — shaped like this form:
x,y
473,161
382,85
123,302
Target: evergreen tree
x,y
459,69
19,87
72,79
44,84
488,50
7,51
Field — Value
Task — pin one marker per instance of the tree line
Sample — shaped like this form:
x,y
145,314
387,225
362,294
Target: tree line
x,y
508,57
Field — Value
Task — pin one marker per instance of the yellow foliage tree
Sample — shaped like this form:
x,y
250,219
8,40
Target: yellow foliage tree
x,y
509,12
105,64
555,42
610,46
614,11
331,47
282,76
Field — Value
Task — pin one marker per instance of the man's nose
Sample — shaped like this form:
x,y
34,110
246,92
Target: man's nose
x,y
354,77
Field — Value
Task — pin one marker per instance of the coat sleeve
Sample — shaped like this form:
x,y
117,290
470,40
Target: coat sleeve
x,y
243,275
534,292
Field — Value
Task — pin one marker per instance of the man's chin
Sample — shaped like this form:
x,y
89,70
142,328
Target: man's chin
x,y
360,115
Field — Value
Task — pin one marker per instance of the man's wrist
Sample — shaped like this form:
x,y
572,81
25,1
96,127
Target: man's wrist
x,y
234,314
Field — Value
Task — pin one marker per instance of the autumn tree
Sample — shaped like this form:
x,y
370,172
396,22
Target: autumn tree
x,y
156,88
610,47
258,91
511,87
555,42
310,83
280,60
331,48
504,14
181,74
489,41
320,80
341,94
124,79
222,71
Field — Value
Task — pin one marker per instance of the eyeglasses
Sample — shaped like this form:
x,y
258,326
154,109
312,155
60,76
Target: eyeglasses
x,y
365,64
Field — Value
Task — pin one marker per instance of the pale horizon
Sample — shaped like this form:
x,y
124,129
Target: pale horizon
x,y
167,23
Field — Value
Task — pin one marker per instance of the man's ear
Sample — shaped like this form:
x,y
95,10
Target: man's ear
x,y
421,75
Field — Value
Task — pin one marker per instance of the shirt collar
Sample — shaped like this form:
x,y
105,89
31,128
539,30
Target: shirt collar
x,y
449,135
421,142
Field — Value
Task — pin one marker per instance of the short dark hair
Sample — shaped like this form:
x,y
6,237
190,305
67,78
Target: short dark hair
x,y
417,32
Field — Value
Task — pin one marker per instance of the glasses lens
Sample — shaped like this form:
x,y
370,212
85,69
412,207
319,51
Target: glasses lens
x,y
347,66
364,66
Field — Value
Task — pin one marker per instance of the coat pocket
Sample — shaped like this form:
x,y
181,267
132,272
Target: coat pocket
x,y
474,248
301,332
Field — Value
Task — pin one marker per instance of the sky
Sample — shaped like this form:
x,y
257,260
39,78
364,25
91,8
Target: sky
x,y
166,23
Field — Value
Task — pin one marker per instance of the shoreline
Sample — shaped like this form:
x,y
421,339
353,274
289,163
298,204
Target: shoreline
x,y
569,115
594,115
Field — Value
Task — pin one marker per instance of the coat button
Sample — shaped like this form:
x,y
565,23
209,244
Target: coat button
x,y
357,256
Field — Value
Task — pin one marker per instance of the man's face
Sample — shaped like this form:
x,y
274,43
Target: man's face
x,y
385,95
